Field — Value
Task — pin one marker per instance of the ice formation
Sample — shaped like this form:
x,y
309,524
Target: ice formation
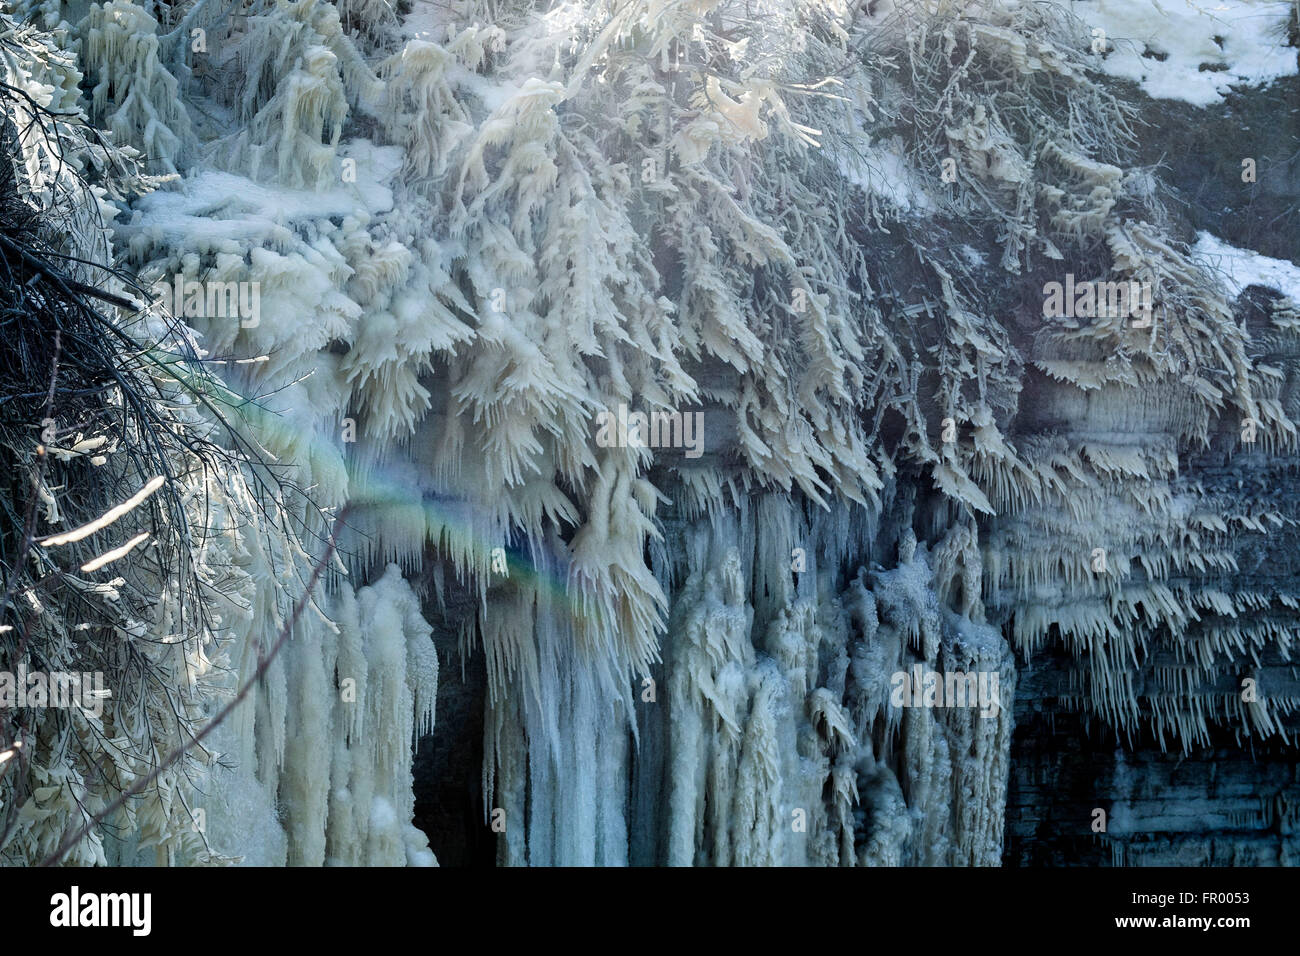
x,y
476,226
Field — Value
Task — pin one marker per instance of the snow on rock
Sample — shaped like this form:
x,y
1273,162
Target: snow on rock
x,y
1242,267
1193,50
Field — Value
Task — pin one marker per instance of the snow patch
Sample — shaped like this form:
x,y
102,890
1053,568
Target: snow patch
x,y
220,205
1192,50
1242,267
883,171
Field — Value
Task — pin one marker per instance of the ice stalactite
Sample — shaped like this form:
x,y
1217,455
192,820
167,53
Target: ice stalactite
x,y
556,750
330,736
292,97
784,747
770,738
393,658
134,95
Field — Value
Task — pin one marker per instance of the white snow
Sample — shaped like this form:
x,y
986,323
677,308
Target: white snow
x,y
1163,44
882,170
221,205
1242,267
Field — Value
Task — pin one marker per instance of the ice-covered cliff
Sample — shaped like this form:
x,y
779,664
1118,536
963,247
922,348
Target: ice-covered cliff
x,y
481,267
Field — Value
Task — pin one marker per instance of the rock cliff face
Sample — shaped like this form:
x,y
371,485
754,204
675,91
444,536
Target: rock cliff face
x,y
1220,805
846,434
1226,800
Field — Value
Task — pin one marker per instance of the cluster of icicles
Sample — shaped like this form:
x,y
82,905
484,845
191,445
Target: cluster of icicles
x,y
471,235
